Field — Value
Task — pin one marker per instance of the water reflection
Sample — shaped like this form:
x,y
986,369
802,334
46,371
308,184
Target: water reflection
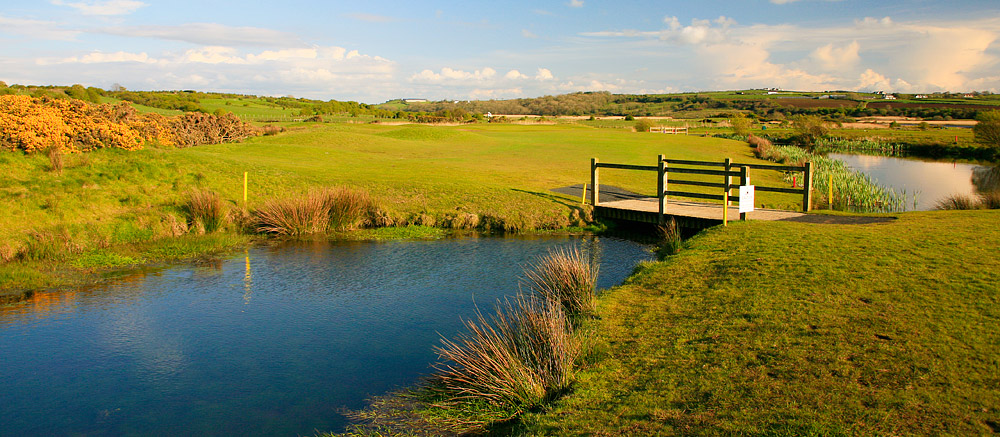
x,y
182,351
928,181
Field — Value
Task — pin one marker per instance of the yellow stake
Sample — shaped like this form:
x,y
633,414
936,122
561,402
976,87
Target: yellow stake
x,y
244,188
583,197
830,186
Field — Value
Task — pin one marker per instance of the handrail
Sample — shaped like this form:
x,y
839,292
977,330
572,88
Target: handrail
x,y
663,168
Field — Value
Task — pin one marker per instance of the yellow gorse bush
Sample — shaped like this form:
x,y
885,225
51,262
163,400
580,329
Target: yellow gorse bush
x,y
34,124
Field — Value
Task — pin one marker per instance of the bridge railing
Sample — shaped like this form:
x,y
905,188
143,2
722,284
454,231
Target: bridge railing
x,y
665,167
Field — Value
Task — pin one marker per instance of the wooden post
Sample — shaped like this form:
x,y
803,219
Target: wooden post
x,y
744,181
729,179
807,186
594,187
829,185
661,187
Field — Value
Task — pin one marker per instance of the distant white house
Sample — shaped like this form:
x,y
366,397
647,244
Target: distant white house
x,y
414,100
969,96
920,96
889,97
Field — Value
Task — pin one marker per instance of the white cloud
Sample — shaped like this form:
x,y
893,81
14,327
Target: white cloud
x,y
501,93
544,74
837,58
35,29
783,2
575,3
116,57
514,75
453,75
210,34
528,34
923,56
108,7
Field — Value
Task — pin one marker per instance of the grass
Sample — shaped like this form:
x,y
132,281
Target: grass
x,y
506,364
483,177
566,277
792,329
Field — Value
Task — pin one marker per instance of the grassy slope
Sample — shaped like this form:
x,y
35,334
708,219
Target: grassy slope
x,y
796,329
109,197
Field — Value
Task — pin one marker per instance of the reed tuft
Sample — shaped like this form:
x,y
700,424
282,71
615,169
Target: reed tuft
x,y
564,276
958,201
515,360
318,212
205,209
990,199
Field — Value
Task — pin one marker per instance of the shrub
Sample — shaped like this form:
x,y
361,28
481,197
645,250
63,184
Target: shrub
x,y
740,124
809,128
205,209
564,276
643,125
987,130
516,360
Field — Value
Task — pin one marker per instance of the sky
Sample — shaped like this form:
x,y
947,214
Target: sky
x,y
374,51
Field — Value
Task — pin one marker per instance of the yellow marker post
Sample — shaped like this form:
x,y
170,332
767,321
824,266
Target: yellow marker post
x,y
583,196
830,187
244,188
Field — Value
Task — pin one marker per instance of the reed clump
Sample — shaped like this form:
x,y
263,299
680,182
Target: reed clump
x,y
512,361
205,210
564,276
987,200
322,211
670,239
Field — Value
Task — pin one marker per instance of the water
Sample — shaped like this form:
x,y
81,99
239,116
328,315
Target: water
x,y
932,181
279,341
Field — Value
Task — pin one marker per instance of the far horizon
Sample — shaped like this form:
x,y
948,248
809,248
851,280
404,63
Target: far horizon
x,y
381,51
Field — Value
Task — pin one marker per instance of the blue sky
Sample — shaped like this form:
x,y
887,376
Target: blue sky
x,y
375,51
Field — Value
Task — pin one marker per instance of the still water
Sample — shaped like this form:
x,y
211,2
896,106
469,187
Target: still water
x,y
930,181
278,341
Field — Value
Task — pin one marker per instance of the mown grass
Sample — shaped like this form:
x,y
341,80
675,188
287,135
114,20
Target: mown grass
x,y
796,329
481,177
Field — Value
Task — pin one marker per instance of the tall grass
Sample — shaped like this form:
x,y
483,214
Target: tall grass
x,y
871,146
853,191
566,277
987,200
513,361
206,208
318,212
670,239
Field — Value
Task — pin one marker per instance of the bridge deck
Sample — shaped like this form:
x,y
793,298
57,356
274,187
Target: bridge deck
x,y
686,213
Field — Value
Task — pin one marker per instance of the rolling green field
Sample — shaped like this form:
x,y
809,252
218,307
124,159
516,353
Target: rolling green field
x,y
106,203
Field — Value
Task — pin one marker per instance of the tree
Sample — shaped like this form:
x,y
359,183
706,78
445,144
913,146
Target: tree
x,y
809,128
643,125
987,131
740,124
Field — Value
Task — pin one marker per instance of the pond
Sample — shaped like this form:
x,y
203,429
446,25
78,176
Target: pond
x,y
930,181
278,341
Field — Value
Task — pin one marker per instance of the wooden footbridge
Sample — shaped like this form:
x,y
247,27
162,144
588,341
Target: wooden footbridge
x,y
692,214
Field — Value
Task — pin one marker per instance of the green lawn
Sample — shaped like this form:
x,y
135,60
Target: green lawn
x,y
111,197
796,329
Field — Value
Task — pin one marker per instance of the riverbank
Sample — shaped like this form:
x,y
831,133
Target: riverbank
x,y
792,329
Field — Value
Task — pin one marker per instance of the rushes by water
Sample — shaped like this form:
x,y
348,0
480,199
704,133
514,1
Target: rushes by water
x,y
514,360
564,276
852,191
317,212
206,208
988,200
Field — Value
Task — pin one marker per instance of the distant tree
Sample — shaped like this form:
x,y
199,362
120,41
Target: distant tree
x,y
987,131
740,123
629,117
923,125
809,128
643,125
